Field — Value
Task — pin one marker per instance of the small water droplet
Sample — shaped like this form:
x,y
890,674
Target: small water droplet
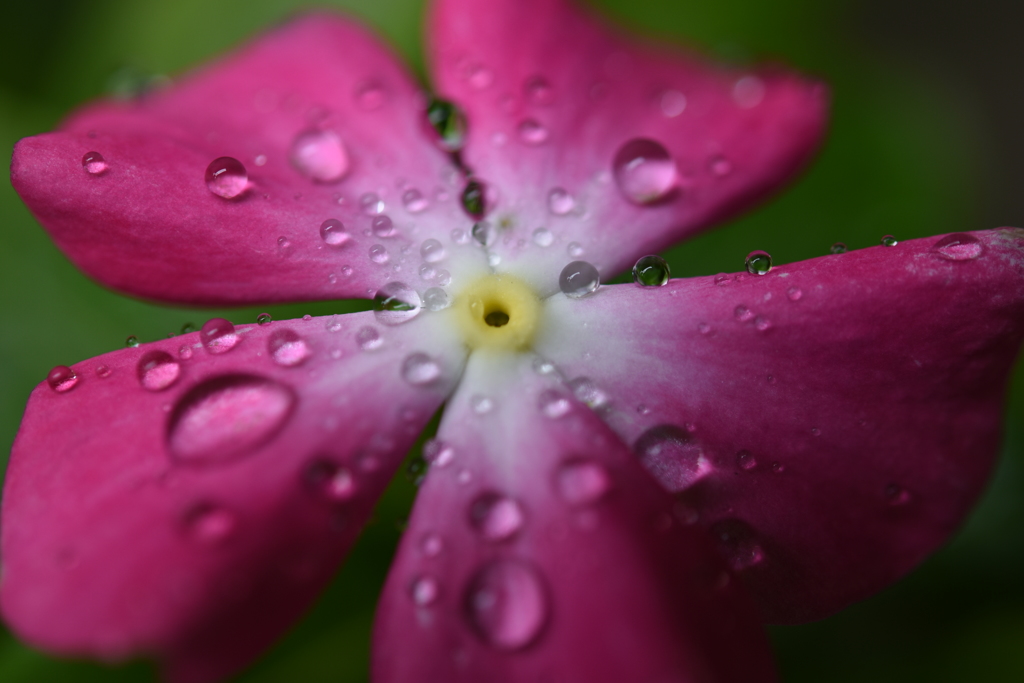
x,y
414,201
644,171
187,328
543,367
444,278
102,371
424,591
368,339
748,92
582,482
560,202
334,482
264,319
419,369
157,370
333,232
94,163
671,455
371,204
736,542
481,404
379,254
543,237
483,233
506,604
532,132
260,160
370,96
473,200
574,249
131,341
759,262
432,251
778,468
762,323
743,313
432,545
672,103
226,417
320,155
579,279
837,248
896,495
62,379
185,352
448,123
436,299
287,348
553,404
496,517
745,460
226,177
479,76
704,328
383,226
587,392
493,260
395,303
460,236
889,241
959,247
651,271
539,91
794,293
333,324
284,246
720,166
218,335
438,453
209,523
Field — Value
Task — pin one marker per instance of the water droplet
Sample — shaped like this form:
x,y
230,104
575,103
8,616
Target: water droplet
x,y
896,495
959,247
185,352
395,303
736,542
582,482
260,160
187,328
539,91
672,456
720,166
103,371
584,389
560,202
383,226
424,591
438,453
264,319
474,200
332,232
496,517
651,271
226,177
444,278
745,460
131,341
209,523
320,155
436,299
448,123
704,328
553,404
460,236
889,241
368,339
748,92
157,370
284,246
837,248
532,132
574,249
432,250
579,279
506,604
226,417
333,324
481,404
759,262
672,103
371,204
483,233
431,545
287,348
218,335
61,379
370,96
542,237
778,468
420,369
543,367
379,254
479,76
762,323
334,482
644,171
414,201
794,293
742,313
94,163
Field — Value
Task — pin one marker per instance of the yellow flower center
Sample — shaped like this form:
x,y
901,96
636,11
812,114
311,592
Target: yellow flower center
x,y
497,312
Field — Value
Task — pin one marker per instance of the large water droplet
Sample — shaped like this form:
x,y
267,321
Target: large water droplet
x,y
424,591
651,271
542,237
218,335
371,204
582,482
418,368
737,544
448,123
532,132
496,517
432,250
287,348
226,177
579,279
644,171
759,262
436,299
320,155
395,303
379,254
209,523
226,417
333,232
560,202
61,379
959,247
157,370
474,200
383,226
94,163
334,482
506,604
671,455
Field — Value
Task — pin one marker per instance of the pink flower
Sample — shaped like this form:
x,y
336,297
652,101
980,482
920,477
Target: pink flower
x,y
813,431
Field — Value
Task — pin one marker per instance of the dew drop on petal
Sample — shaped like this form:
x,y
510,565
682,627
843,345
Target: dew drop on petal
x,y
794,293
720,166
371,204
483,233
737,543
553,404
370,96
644,171
287,348
414,201
837,248
532,132
651,271
157,370
368,339
131,341
543,237
587,392
743,314
747,92
582,482
481,404
94,163
209,524
473,199
185,352
759,262
672,103
496,517
432,545
379,254
574,249
959,247
506,604
896,495
560,202
436,299
332,481
432,250
333,233
226,177
103,371
579,279
227,417
671,455
419,369
889,241
448,123
539,91
264,319
424,591
218,335
745,460
62,379
396,303
438,453
284,246
460,236
383,226
320,155
443,278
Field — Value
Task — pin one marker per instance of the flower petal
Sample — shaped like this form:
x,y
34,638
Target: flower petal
x,y
194,517
569,121
539,551
831,423
326,124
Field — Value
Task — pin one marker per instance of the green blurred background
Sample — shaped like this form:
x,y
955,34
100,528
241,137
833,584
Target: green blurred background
x,y
926,138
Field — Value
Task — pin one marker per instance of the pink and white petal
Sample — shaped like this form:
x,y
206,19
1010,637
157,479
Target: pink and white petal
x,y
552,96
831,423
538,550
321,81
187,505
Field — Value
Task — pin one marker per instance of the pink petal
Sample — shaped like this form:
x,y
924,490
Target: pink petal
x,y
552,96
539,551
319,93
195,517
830,423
